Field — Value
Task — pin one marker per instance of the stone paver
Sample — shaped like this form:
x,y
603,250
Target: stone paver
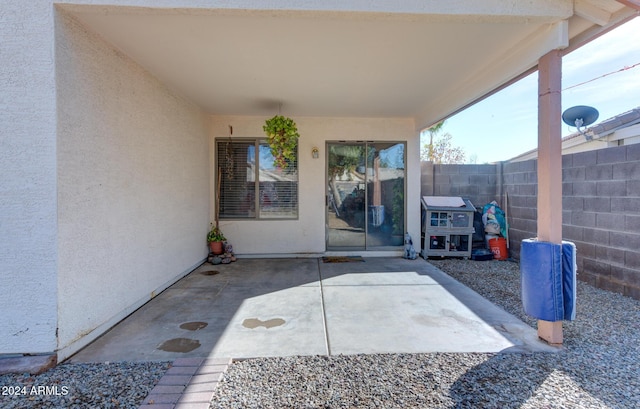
x,y
188,384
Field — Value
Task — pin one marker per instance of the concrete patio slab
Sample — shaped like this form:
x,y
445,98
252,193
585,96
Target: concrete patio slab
x,y
404,318
283,307
220,298
284,322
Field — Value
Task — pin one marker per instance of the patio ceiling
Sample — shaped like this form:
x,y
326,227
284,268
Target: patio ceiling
x,y
425,60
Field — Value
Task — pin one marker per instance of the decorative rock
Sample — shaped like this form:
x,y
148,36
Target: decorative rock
x,y
99,385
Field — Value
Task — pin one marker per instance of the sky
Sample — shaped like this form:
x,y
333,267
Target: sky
x,y
506,125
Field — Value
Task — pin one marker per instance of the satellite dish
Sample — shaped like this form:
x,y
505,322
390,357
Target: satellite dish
x,y
580,116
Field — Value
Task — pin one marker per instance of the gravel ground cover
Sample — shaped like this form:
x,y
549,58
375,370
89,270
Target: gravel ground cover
x,y
598,367
114,385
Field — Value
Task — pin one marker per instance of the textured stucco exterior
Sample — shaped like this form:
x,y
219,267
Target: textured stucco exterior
x,y
106,189
133,185
28,253
106,179
307,234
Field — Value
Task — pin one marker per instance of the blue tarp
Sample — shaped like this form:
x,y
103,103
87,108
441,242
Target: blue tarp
x,y
548,278
569,283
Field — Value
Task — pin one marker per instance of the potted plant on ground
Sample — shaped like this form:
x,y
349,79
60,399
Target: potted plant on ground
x,y
215,238
283,137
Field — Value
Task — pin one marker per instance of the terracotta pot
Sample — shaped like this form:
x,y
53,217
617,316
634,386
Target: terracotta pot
x,y
216,247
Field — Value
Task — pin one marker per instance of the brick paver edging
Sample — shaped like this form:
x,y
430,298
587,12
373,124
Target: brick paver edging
x,y
188,384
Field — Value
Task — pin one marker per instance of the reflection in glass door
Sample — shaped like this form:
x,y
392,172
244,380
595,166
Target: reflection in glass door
x,y
346,199
365,195
385,194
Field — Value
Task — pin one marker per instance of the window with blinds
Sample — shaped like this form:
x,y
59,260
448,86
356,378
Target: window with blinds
x,y
251,185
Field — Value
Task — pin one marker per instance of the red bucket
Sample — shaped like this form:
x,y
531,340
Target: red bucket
x,y
498,247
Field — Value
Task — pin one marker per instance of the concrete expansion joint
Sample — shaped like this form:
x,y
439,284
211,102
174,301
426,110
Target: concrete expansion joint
x,y
324,312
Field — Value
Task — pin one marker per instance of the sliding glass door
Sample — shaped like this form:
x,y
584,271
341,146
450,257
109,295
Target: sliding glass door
x,y
365,195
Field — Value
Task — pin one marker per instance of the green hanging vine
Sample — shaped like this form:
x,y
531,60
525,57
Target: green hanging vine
x,y
283,137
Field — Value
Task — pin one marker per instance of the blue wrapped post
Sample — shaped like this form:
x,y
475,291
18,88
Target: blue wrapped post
x,y
569,280
548,278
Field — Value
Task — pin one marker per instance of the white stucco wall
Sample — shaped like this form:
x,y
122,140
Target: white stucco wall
x,y
306,236
133,185
28,252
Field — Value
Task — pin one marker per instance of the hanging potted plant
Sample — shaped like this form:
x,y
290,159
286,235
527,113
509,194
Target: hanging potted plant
x,y
215,238
282,134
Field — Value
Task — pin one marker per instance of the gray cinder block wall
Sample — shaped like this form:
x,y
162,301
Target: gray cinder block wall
x,y
600,214
478,183
520,184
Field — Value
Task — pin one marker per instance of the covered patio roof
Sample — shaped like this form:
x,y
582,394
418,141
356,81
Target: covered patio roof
x,y
419,59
